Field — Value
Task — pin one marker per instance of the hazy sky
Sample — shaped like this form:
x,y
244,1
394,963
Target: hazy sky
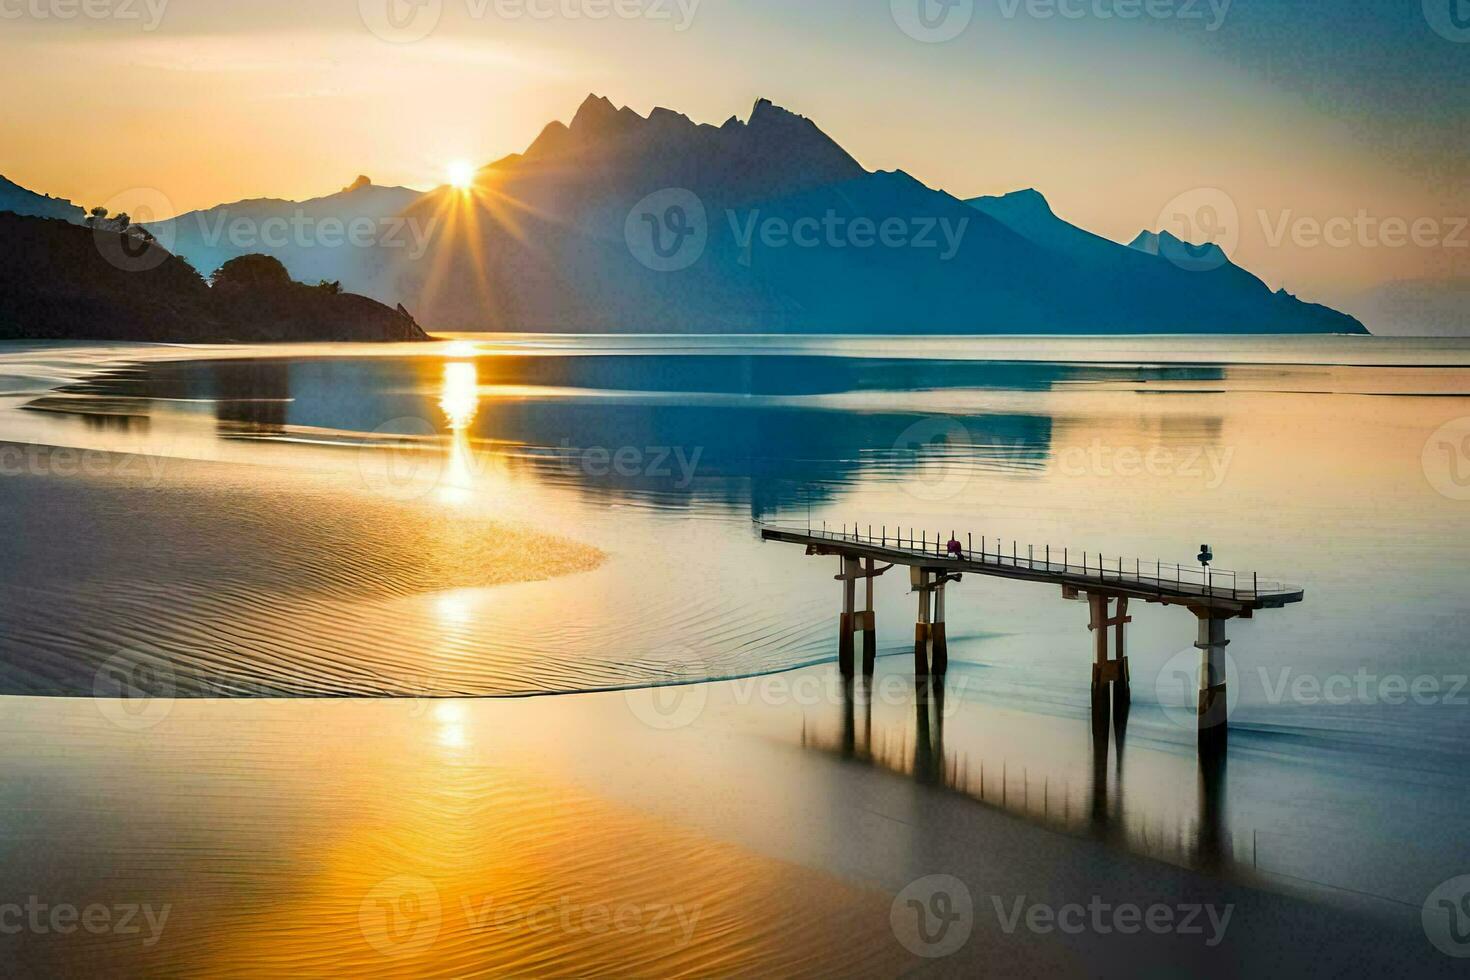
x,y
1126,114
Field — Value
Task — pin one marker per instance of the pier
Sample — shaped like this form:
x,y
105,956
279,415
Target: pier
x,y
1106,583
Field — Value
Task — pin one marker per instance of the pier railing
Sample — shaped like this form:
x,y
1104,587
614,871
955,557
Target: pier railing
x,y
1083,566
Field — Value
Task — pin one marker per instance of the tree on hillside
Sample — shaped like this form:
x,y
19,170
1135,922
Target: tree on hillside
x,y
253,271
122,223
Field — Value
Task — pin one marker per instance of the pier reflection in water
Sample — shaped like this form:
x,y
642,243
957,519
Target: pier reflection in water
x,y
917,748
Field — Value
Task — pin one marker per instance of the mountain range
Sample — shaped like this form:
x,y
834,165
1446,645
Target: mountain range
x,y
620,222
302,234
561,237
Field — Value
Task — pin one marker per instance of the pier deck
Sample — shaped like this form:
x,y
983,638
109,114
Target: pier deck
x,y
1228,592
1107,584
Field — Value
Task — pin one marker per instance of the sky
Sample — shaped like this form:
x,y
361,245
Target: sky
x,y
1325,143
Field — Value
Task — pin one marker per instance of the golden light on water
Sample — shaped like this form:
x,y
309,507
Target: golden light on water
x,y
459,399
445,844
460,396
450,721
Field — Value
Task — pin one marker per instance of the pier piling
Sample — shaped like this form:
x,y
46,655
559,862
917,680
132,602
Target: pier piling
x,y
869,623
1110,679
923,627
848,622
939,641
1213,707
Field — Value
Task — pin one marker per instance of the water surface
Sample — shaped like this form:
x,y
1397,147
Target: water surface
x,y
552,515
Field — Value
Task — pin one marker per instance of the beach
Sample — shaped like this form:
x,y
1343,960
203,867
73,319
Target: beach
x,y
564,837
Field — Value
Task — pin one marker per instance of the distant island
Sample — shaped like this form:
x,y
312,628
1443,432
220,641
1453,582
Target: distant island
x,y
618,222
61,280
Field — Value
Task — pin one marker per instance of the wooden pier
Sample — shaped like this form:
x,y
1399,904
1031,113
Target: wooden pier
x,y
1107,584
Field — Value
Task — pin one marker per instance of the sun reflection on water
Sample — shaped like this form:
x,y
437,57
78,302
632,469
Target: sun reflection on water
x,y
450,719
460,401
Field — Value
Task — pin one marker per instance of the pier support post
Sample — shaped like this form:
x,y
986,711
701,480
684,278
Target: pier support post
x,y
848,621
1122,684
922,625
939,656
1109,674
869,623
1213,707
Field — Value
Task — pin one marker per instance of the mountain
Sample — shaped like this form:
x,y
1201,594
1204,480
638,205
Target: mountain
x,y
1028,214
316,239
1186,255
620,222
63,281
1160,282
17,200
549,239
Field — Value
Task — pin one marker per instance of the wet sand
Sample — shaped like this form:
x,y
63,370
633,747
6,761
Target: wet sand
x,y
375,838
313,571
215,578
567,837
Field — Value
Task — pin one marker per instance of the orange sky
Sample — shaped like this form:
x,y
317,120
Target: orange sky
x,y
1112,120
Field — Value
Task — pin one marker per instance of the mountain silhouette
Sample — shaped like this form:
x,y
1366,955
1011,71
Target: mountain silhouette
x,y
620,222
64,281
314,238
18,200
1159,279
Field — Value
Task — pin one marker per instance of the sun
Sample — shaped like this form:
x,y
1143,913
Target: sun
x,y
461,174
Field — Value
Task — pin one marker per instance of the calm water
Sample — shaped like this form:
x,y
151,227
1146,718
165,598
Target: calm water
x,y
401,504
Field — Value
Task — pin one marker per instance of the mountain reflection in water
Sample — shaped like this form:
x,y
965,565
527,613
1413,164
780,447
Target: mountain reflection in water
x,y
770,433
